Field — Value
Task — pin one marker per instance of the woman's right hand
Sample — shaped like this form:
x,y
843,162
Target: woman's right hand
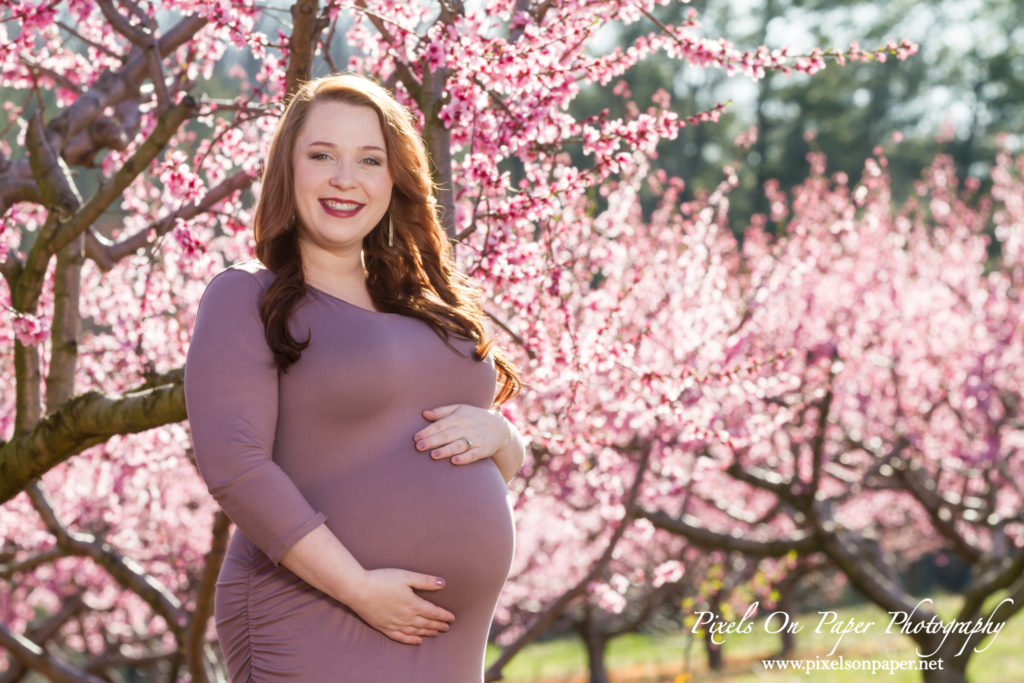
x,y
386,600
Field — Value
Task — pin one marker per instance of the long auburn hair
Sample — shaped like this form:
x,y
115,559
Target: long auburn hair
x,y
415,277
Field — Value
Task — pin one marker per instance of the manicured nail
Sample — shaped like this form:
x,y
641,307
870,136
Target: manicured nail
x,y
457,459
435,454
421,445
440,582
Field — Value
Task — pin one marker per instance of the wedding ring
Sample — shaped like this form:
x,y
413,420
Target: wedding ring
x,y
469,444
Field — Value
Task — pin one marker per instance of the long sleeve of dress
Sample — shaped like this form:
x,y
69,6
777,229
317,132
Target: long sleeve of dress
x,y
231,395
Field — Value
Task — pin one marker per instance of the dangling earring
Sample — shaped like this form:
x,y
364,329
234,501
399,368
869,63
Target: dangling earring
x,y
391,232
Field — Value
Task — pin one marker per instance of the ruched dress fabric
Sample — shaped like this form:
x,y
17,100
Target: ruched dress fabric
x,y
331,440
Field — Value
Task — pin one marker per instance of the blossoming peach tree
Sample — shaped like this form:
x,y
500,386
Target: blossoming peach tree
x,y
898,429
125,185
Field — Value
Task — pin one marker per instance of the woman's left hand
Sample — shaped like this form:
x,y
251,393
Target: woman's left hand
x,y
465,434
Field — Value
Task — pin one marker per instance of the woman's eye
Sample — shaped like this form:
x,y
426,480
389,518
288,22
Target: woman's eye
x,y
371,161
319,156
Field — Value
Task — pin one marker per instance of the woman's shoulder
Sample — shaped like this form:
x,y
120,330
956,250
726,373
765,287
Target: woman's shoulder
x,y
243,279
251,271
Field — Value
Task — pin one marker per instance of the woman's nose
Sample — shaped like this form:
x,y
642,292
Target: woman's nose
x,y
343,176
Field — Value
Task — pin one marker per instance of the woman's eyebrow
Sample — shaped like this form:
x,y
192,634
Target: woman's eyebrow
x,y
322,143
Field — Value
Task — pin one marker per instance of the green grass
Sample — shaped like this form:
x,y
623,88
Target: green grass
x,y
666,658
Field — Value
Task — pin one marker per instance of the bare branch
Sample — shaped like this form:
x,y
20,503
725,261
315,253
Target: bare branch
x,y
818,440
139,37
27,390
325,46
106,132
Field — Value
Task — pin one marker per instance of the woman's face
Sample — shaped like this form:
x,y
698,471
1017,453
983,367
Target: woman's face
x,y
342,182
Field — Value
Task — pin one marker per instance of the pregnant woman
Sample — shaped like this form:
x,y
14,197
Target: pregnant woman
x,y
340,393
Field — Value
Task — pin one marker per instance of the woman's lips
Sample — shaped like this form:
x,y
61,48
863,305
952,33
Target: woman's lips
x,y
340,209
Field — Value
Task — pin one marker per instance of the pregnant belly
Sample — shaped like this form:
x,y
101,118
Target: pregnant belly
x,y
401,509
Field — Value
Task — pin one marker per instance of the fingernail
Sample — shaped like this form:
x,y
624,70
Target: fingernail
x,y
440,582
421,445
435,454
456,460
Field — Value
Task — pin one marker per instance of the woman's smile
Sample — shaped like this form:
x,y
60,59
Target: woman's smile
x,y
341,209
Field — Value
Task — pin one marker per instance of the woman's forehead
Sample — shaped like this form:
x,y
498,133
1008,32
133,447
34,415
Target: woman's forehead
x,y
342,124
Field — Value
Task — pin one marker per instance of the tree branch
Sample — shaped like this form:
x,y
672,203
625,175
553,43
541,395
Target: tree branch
x,y
500,322
106,132
8,571
857,562
690,528
123,570
67,323
71,606
195,642
768,481
924,490
114,86
306,26
84,421
1000,576
18,185
31,656
93,44
166,127
820,427
106,254
438,140
60,195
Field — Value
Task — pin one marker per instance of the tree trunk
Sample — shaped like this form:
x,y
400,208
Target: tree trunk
x,y
712,649
596,643
786,636
786,605
714,653
952,671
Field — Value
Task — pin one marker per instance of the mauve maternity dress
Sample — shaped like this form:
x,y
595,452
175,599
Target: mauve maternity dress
x,y
331,440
